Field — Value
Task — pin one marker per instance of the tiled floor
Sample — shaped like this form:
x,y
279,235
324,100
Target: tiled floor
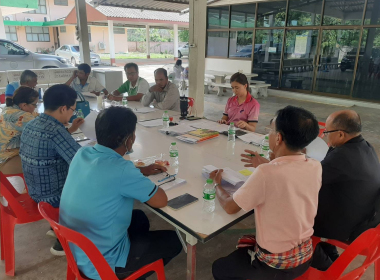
x,y
34,261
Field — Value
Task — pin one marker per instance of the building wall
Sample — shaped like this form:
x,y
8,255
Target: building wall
x,y
34,46
228,65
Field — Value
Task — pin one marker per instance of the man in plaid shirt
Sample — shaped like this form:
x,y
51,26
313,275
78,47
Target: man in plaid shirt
x,y
284,194
47,148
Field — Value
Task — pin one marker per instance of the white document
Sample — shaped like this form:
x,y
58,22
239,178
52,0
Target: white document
x,y
228,176
152,123
166,184
88,127
178,129
206,124
252,138
145,110
89,94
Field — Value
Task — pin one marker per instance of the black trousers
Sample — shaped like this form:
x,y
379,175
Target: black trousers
x,y
148,246
324,256
237,266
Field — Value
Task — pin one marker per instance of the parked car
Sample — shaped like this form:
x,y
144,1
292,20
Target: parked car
x,y
15,57
247,51
72,53
183,51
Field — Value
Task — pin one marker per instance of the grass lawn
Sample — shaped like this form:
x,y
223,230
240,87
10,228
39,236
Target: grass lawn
x,y
135,55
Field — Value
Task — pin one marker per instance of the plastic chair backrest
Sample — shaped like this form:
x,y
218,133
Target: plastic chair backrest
x,y
367,244
322,127
66,236
11,195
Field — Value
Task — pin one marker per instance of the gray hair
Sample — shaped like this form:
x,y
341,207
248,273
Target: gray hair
x,y
350,123
27,76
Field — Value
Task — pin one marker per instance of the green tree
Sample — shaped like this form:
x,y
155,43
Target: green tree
x,y
184,35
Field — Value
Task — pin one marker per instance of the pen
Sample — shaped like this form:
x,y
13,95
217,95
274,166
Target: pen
x,y
166,178
251,155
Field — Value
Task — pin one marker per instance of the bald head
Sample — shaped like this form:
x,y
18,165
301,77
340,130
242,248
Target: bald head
x,y
347,120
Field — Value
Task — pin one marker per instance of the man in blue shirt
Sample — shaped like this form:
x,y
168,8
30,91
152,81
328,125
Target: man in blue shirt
x,y
47,148
28,78
98,198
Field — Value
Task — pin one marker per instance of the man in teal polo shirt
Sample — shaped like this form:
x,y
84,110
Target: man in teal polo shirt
x,y
135,86
98,201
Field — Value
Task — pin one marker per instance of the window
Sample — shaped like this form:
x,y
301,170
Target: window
x,y
61,2
10,49
241,44
343,12
41,8
119,30
243,16
304,13
217,43
37,34
372,15
271,14
218,17
62,29
11,33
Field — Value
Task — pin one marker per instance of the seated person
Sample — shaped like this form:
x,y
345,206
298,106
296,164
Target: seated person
x,y
19,111
47,148
178,69
81,81
350,186
284,195
28,78
242,109
135,86
98,201
163,95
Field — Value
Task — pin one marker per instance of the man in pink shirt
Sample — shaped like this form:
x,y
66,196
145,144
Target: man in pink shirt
x,y
284,194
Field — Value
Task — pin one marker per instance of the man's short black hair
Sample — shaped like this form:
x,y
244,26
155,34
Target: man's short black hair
x,y
113,125
85,68
161,70
26,76
59,95
130,65
297,126
349,123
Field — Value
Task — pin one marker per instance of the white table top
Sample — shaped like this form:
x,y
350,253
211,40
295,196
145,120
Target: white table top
x,y
192,157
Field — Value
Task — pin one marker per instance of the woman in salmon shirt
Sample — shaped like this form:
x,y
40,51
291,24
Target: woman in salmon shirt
x,y
241,109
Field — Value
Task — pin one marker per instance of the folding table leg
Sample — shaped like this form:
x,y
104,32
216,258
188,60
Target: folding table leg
x,y
191,257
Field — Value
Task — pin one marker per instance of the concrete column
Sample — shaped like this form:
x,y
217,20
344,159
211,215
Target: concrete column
x,y
2,27
197,42
111,42
147,42
84,44
175,41
126,36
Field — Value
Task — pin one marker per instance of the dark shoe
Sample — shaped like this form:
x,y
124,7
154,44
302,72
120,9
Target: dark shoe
x,y
57,249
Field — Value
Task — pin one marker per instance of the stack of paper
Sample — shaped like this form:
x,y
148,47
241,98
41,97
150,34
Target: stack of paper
x,y
177,129
145,110
165,182
252,138
152,123
231,180
198,135
206,124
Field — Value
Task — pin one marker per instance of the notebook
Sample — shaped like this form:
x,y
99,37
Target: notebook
x,y
198,135
166,181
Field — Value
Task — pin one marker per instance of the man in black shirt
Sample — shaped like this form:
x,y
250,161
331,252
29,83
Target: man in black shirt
x,y
350,186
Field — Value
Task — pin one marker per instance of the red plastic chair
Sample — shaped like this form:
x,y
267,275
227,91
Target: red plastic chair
x,y
191,102
66,235
322,127
367,244
21,209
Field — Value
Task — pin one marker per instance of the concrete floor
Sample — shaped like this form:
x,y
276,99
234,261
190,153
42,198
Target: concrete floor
x,y
33,258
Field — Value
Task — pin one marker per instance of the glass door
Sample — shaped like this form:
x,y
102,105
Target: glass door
x,y
299,59
336,61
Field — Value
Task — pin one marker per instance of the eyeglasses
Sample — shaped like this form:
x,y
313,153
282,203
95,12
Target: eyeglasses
x,y
74,111
331,131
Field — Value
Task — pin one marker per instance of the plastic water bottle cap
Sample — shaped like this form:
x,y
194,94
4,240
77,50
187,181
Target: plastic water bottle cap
x,y
166,111
174,143
267,137
210,181
231,123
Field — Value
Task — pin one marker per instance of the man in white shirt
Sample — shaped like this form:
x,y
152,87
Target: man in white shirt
x,y
81,81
